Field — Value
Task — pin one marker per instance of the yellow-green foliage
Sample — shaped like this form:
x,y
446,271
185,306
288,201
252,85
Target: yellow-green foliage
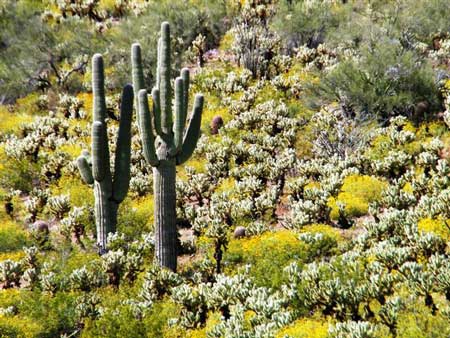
x,y
356,193
12,121
268,254
305,328
77,259
436,226
28,104
80,193
179,332
136,216
9,297
74,150
20,327
119,321
226,185
324,229
418,322
12,236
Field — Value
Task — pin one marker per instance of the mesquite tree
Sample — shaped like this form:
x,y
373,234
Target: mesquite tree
x,y
109,188
166,143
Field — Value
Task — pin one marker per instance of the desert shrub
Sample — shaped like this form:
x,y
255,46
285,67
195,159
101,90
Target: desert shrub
x,y
418,321
120,321
268,254
17,174
385,81
55,314
305,328
307,22
356,194
12,237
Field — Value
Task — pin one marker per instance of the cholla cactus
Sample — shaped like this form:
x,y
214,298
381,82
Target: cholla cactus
x,y
87,306
353,329
172,144
59,205
110,188
198,49
70,106
74,224
158,282
10,273
86,280
255,45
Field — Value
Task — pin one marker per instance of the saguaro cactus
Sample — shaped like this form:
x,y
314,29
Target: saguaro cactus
x,y
109,189
166,143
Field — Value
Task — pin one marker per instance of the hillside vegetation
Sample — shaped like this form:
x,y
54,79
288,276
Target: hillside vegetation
x,y
316,203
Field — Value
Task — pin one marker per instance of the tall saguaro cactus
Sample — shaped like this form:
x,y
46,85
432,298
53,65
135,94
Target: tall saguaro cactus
x,y
166,141
109,189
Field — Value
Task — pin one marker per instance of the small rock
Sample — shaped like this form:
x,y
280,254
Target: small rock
x,y
41,226
239,232
216,124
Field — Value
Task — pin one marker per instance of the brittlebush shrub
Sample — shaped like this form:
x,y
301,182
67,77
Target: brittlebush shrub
x,y
436,226
267,254
356,193
270,252
305,328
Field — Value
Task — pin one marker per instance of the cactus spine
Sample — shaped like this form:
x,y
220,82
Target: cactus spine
x,y
109,189
166,141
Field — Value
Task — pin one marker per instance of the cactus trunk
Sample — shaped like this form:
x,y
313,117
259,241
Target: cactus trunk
x,y
165,214
171,145
105,214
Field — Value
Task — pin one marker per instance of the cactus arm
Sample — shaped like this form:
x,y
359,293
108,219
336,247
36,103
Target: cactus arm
x,y
180,118
98,88
193,131
185,76
148,140
99,167
157,111
164,80
85,169
158,62
123,150
137,72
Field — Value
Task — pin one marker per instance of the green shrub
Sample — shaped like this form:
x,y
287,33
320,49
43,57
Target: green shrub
x,y
301,22
417,321
12,237
55,314
385,81
20,327
17,174
120,322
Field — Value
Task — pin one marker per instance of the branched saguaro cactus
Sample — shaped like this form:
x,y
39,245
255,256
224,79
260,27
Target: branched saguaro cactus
x,y
109,188
166,143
